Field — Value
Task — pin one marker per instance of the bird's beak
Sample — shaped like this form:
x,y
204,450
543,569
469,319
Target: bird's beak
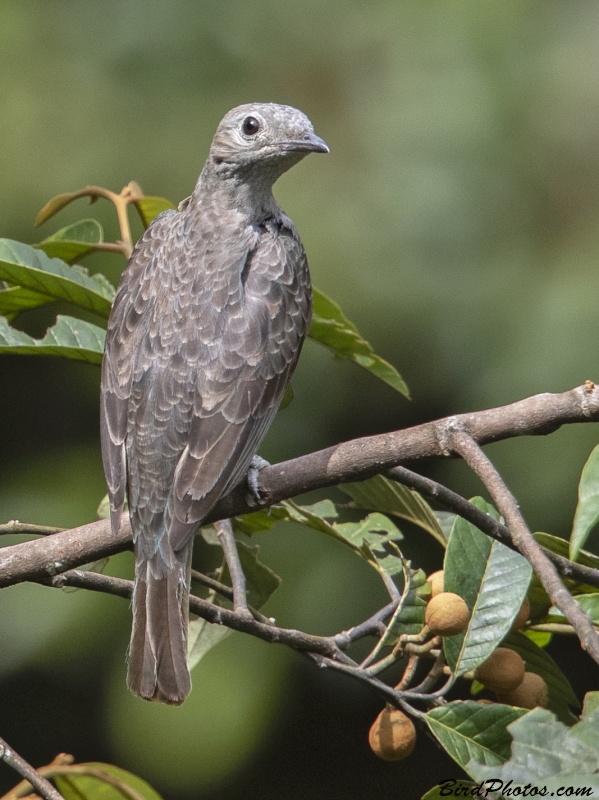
x,y
310,143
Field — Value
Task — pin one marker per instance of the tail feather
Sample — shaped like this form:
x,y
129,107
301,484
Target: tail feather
x,y
157,667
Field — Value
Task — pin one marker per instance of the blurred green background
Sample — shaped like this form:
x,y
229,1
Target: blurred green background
x,y
456,221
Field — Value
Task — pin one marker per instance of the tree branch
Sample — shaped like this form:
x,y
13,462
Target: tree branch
x,y
19,764
525,541
355,460
459,505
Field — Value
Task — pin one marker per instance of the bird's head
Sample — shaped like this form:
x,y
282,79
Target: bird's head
x,y
265,138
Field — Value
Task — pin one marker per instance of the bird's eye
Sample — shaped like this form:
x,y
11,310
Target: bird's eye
x,y
251,126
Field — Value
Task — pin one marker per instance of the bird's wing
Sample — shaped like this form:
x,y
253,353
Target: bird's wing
x,y
125,331
239,388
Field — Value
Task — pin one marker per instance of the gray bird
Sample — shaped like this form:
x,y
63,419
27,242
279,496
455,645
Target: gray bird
x,y
204,334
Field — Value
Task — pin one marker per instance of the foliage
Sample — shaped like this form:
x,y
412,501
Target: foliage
x,y
491,578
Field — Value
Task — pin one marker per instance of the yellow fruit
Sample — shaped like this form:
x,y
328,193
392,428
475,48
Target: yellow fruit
x,y
522,616
436,581
392,735
447,614
531,693
502,671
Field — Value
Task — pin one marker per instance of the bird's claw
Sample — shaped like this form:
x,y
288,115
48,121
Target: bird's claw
x,y
253,475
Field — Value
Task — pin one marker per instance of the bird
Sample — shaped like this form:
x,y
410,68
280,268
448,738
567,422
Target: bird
x,y
204,334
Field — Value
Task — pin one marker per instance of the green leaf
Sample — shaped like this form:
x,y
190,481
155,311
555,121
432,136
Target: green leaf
x,y
69,337
493,581
312,516
409,615
540,638
453,787
59,202
587,510
590,704
150,207
202,636
331,328
30,268
15,299
389,497
558,545
546,753
537,660
468,730
589,603
97,781
261,581
74,241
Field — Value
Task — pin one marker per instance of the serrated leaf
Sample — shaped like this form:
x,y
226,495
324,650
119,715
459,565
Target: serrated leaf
x,y
15,299
470,731
310,515
331,328
25,266
103,782
389,497
149,208
69,337
545,753
587,510
74,241
561,695
493,581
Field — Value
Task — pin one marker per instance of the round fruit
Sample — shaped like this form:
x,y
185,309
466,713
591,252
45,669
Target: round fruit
x,y
392,735
502,671
531,693
522,616
446,614
436,581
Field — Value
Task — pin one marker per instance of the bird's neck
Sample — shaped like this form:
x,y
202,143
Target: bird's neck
x,y
231,192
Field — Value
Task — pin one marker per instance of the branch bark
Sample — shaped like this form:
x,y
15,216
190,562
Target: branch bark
x,y
525,542
355,460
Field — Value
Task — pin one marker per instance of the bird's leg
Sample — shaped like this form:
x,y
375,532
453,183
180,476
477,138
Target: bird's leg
x,y
224,532
253,474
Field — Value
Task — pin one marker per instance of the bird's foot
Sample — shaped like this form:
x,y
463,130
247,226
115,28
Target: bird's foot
x,y
253,476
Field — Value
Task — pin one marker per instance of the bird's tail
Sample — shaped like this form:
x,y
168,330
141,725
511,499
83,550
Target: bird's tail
x,y
157,668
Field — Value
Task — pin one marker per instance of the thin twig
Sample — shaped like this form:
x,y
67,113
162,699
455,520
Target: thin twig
x,y
226,592
373,626
470,451
14,526
458,504
40,784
